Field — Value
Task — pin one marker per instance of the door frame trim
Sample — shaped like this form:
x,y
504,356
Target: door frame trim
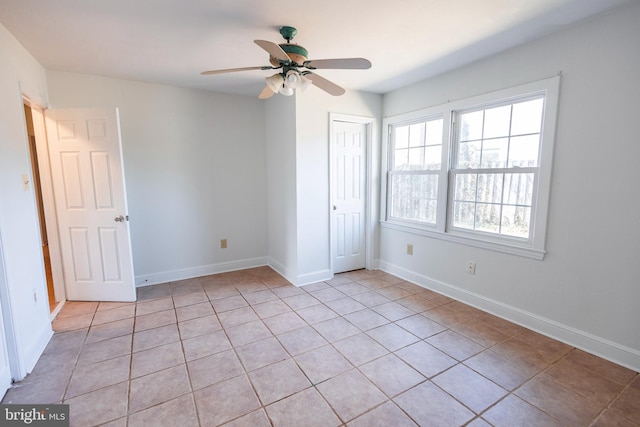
x,y
369,123
50,216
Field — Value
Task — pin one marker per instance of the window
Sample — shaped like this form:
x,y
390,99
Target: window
x,y
495,167
475,171
416,160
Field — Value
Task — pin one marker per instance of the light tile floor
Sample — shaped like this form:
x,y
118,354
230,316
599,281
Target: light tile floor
x,y
364,349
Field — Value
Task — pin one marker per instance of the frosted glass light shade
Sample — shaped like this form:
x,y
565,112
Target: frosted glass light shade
x,y
293,79
304,83
275,82
286,91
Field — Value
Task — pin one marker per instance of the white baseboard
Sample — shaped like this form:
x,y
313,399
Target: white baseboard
x,y
282,270
315,277
303,279
33,353
590,343
205,270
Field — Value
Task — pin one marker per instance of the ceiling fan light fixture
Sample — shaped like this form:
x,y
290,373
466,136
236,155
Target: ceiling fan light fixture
x,y
286,91
304,83
293,79
275,82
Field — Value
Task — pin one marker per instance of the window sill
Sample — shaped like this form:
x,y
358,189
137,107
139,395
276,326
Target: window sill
x,y
462,239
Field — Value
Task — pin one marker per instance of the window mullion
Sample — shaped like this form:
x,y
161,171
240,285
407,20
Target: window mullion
x,y
448,132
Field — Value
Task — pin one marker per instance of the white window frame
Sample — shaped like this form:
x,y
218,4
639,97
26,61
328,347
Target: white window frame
x,y
391,171
534,247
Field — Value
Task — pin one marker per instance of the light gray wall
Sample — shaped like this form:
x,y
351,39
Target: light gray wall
x,y
20,74
312,172
298,178
586,290
281,184
195,172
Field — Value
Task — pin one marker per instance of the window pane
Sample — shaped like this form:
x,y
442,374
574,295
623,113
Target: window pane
x,y
471,126
428,211
494,153
523,151
416,135
489,188
428,199
465,187
518,189
429,186
497,122
498,203
515,221
401,207
400,190
401,159
434,132
463,215
401,136
414,197
416,158
488,217
527,117
433,157
469,155
400,185
411,153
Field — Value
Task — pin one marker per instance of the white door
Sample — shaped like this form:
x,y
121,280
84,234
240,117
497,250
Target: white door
x,y
348,195
88,183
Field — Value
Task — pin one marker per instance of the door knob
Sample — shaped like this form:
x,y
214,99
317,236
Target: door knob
x,y
334,207
119,218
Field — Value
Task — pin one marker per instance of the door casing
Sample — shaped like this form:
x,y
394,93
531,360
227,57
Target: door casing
x,y
50,218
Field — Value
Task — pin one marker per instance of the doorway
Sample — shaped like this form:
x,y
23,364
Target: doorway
x,y
38,153
81,203
37,189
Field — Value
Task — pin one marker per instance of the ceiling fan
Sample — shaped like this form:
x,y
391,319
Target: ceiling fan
x,y
295,69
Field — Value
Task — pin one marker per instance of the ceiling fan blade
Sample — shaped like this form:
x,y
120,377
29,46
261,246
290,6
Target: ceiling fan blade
x,y
266,93
233,70
273,50
342,64
324,84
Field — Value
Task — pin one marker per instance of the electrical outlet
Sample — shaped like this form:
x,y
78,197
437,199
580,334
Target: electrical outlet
x,y
471,267
409,249
223,244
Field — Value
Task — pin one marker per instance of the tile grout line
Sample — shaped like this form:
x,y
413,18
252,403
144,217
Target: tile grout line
x,y
313,326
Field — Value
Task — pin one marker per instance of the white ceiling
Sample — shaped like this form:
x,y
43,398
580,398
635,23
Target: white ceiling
x,y
172,41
